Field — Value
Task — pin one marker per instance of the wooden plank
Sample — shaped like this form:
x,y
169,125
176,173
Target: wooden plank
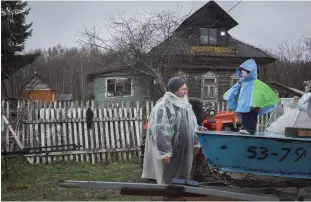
x,y
64,125
75,131
83,120
101,135
48,133
141,125
111,135
59,127
117,134
96,132
19,116
42,132
127,133
137,127
81,133
7,134
132,131
107,137
36,136
147,110
21,146
69,132
122,133
2,121
92,139
223,106
297,132
23,138
56,153
86,136
30,127
53,127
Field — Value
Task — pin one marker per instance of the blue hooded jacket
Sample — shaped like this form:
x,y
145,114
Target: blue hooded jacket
x,y
243,95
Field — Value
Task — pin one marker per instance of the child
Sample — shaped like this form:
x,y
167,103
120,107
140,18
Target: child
x,y
250,97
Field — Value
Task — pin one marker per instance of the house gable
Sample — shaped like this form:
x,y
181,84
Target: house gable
x,y
205,34
211,15
37,83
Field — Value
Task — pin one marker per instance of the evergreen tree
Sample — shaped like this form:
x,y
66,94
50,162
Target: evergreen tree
x,y
14,32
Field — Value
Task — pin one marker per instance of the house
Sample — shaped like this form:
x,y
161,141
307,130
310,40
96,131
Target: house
x,y
38,89
117,82
204,52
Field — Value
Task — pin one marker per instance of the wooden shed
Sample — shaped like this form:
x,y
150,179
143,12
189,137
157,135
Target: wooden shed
x,y
39,89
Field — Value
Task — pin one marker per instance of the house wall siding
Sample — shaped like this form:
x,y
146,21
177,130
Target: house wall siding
x,y
140,88
224,73
195,78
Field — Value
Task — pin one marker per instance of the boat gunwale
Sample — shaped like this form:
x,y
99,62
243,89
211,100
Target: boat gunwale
x,y
235,134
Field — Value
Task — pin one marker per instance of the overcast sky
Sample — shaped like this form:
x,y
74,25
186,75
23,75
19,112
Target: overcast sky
x,y
261,23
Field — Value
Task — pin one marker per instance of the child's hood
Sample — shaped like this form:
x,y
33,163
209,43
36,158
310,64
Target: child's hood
x,y
249,65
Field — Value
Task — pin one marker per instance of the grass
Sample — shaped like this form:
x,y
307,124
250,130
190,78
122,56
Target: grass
x,y
38,182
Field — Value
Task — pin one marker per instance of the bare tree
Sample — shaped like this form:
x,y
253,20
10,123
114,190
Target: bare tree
x,y
294,64
131,38
23,79
65,70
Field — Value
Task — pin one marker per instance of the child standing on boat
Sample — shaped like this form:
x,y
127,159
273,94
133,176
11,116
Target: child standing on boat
x,y
250,97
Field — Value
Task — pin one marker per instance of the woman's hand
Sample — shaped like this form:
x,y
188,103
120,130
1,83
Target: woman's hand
x,y
166,159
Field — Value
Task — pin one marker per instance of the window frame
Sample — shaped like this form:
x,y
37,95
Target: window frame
x,y
122,96
208,36
213,76
232,78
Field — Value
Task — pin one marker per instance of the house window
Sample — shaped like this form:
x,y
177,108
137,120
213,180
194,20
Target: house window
x,y
208,36
119,87
204,35
234,79
209,88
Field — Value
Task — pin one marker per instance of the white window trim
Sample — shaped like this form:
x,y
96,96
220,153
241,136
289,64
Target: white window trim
x,y
209,75
124,96
232,77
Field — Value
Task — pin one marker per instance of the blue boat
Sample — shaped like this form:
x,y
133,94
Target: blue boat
x,y
257,161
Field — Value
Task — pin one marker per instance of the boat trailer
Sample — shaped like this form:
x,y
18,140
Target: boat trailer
x,y
182,188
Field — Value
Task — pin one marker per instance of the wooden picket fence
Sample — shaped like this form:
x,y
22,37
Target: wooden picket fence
x,y
59,130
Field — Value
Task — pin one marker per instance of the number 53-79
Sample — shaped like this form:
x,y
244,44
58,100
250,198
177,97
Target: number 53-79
x,y
262,153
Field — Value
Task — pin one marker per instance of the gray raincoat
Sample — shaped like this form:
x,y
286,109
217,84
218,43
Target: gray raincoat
x,y
171,130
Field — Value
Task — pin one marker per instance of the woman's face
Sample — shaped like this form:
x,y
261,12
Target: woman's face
x,y
182,91
244,73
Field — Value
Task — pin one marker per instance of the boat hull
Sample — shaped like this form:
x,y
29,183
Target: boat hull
x,y
257,161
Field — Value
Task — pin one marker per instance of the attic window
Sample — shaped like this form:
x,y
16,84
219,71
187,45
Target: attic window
x,y
118,87
208,36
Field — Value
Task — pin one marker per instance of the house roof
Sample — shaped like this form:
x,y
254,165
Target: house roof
x,y
211,13
286,88
38,82
178,45
92,75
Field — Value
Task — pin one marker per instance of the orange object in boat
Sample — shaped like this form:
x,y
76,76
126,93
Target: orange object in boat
x,y
221,119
